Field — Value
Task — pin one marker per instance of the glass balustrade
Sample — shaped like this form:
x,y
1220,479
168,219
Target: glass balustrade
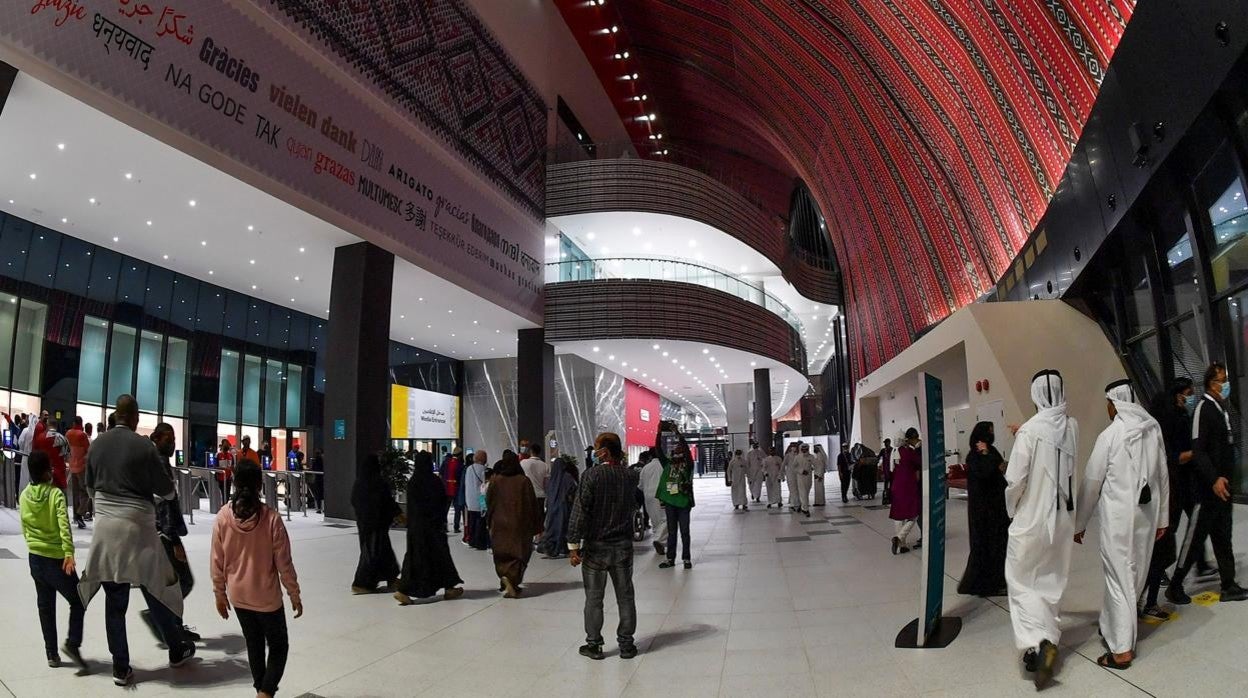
x,y
660,269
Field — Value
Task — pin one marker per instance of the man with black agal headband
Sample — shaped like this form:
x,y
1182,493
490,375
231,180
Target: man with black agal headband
x,y
1126,482
1039,497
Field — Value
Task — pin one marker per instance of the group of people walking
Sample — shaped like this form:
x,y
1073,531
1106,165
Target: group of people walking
x,y
137,543
801,469
1146,470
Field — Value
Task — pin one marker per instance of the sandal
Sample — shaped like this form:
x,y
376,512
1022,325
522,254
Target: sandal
x,y
1107,660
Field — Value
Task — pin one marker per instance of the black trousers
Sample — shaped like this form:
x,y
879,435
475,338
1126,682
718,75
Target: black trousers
x,y
51,580
845,479
1213,521
678,519
265,631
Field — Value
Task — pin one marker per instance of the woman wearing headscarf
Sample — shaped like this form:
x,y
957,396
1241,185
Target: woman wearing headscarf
x,y
427,566
375,510
514,518
988,525
560,494
907,491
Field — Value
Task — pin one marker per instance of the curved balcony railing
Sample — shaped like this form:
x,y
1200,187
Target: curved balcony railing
x,y
665,269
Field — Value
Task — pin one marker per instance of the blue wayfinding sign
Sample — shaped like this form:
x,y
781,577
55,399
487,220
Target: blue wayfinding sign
x,y
340,429
932,588
931,630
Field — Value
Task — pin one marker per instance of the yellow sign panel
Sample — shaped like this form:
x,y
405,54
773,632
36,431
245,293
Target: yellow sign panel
x,y
422,414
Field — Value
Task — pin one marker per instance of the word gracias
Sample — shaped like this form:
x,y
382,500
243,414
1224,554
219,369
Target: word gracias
x,y
294,105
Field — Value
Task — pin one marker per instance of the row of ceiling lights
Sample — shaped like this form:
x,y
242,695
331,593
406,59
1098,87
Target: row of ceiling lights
x,y
194,204
632,77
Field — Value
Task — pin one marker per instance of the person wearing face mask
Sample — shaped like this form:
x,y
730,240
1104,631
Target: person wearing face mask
x,y
1213,458
676,493
988,525
1126,483
1172,410
1039,495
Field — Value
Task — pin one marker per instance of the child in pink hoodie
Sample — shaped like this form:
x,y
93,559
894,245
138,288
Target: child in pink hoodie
x,y
250,557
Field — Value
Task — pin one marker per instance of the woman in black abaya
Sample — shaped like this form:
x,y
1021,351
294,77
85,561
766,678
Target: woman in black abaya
x,y
988,523
375,510
427,566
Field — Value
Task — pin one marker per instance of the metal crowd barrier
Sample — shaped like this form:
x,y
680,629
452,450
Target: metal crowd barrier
x,y
292,490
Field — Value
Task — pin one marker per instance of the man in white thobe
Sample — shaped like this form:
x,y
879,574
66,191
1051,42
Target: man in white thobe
x,y
737,479
1127,484
821,468
651,473
804,465
1039,498
772,468
790,476
754,471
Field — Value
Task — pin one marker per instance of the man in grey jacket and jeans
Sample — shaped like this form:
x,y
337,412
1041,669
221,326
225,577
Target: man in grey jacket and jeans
x,y
600,534
126,475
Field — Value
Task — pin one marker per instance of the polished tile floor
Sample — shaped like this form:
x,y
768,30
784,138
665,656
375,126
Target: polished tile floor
x,y
816,614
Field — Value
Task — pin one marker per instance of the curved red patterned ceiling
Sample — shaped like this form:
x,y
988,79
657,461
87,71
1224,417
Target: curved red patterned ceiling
x,y
932,132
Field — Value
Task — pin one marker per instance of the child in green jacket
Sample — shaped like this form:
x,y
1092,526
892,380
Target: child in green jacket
x,y
45,525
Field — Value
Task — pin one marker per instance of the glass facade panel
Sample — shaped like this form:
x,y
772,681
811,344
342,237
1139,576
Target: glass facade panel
x,y
15,239
121,364
211,309
91,360
73,265
1187,350
41,263
175,377
273,377
252,373
1139,296
133,285
147,383
294,395
185,294
1220,191
227,388
28,346
105,268
8,325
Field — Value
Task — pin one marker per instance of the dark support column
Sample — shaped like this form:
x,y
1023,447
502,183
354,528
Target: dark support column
x,y
357,359
535,384
762,408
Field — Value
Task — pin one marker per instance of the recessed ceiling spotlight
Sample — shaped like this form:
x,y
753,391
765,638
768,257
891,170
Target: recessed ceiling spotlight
x,y
210,272
475,322
655,346
611,357
191,203
60,146
251,227
203,243
402,317
449,311
292,300
117,239
693,243
753,363
64,220
298,279
253,287
301,249
636,231
590,235
665,354
706,351
251,261
34,176
129,176
91,201
10,201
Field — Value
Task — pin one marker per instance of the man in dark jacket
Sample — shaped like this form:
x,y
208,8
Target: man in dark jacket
x,y
844,468
171,526
1213,456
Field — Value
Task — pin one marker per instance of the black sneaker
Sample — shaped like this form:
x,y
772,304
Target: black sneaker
x,y
896,545
1234,593
688,565
628,651
667,564
189,633
123,677
660,548
180,656
1155,613
74,655
592,651
54,660
1176,595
